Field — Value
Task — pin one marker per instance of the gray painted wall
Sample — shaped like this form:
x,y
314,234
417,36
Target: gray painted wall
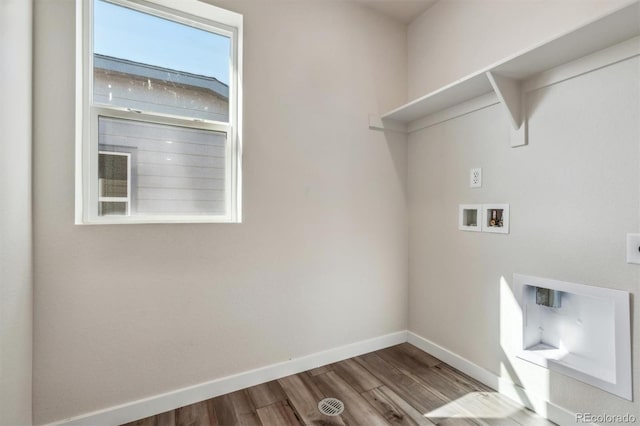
x,y
127,312
16,291
574,193
455,38
581,169
324,209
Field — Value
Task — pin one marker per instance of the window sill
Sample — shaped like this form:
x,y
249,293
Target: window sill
x,y
158,220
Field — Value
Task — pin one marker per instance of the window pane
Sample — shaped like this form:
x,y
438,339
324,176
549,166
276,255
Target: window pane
x,y
113,175
174,170
109,208
152,64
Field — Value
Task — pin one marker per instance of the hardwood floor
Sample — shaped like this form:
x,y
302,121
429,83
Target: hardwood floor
x,y
400,385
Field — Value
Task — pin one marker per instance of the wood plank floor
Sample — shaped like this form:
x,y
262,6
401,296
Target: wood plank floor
x,y
400,385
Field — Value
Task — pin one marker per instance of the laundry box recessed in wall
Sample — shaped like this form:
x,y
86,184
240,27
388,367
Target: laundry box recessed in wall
x,y
578,330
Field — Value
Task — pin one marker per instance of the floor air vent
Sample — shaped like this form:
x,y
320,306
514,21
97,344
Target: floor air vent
x,y
331,406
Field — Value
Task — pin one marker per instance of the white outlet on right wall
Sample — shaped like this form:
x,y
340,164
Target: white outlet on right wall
x,y
475,178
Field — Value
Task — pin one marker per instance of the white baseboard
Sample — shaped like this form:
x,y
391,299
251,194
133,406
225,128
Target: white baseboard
x,y
509,389
142,408
168,401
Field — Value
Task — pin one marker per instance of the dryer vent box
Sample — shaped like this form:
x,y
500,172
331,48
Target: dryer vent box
x,y
578,330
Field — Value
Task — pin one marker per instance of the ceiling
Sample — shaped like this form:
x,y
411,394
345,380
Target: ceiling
x,y
402,10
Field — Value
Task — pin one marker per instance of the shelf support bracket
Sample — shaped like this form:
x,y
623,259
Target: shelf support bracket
x,y
511,96
378,123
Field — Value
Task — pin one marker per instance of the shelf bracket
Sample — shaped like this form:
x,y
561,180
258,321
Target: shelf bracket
x,y
511,96
378,123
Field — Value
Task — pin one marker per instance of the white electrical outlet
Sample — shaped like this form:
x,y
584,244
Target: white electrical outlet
x,y
475,178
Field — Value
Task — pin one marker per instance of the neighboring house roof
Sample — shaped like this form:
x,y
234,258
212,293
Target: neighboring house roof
x,y
125,66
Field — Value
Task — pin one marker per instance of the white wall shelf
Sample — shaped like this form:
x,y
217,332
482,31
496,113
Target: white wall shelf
x,y
506,79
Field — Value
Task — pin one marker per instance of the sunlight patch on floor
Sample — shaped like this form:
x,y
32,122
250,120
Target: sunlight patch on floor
x,y
476,405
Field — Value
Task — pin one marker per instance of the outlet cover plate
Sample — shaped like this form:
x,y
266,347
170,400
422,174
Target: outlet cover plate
x,y
633,248
475,178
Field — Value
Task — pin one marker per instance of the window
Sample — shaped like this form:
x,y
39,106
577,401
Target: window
x,y
114,183
158,112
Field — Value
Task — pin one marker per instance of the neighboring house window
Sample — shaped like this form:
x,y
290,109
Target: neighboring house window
x,y
114,183
158,112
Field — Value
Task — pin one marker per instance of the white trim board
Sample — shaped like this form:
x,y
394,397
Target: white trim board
x,y
509,389
146,407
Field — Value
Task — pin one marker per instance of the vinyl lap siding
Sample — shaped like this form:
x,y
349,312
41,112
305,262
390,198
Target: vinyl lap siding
x,y
175,170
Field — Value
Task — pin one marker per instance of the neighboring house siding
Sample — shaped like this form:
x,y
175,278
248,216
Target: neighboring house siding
x,y
146,94
174,169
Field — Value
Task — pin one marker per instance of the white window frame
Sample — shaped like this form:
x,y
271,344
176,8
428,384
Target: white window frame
x,y
195,14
